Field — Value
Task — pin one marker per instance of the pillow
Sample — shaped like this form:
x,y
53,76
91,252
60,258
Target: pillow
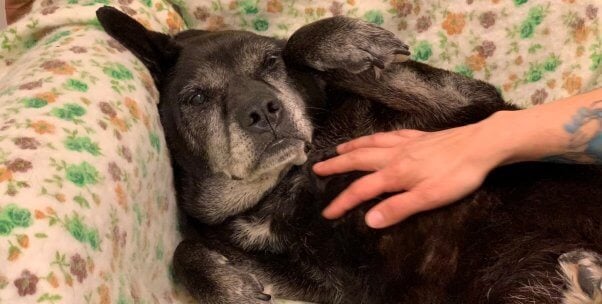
x,y
87,206
533,51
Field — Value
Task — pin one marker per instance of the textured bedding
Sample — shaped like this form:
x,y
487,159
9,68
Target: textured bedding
x,y
534,51
87,210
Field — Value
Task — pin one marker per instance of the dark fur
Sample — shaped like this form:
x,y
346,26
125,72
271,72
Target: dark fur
x,y
501,244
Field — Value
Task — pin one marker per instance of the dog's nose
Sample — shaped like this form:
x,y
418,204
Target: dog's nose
x,y
261,117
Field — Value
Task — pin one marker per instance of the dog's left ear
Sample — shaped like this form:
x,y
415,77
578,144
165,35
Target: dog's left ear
x,y
156,50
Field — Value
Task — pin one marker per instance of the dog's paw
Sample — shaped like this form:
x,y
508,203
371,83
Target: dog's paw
x,y
242,287
211,277
583,274
355,46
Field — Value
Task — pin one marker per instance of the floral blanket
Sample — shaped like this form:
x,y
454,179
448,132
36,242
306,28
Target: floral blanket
x,y
87,210
534,51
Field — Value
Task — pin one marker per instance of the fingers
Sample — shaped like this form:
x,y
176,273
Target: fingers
x,y
358,160
359,191
424,196
356,155
378,140
399,207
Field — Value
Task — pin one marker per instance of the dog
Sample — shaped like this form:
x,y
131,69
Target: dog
x,y
245,117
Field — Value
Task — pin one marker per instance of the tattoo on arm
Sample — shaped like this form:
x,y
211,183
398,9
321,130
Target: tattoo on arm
x,y
585,131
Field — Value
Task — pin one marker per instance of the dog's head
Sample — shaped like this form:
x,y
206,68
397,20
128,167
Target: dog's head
x,y
232,116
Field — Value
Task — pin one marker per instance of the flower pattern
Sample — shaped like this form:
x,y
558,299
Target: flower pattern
x,y
27,283
78,268
506,43
81,156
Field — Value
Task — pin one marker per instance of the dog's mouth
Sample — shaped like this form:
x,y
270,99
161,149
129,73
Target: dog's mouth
x,y
280,154
280,144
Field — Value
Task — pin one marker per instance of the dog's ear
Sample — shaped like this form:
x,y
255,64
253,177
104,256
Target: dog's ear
x,y
156,50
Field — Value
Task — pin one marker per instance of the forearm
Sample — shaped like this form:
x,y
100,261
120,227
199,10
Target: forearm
x,y
567,130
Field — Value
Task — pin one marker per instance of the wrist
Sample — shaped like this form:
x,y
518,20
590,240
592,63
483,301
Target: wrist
x,y
523,135
487,144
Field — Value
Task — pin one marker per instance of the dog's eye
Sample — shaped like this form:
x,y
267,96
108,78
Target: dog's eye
x,y
198,99
271,60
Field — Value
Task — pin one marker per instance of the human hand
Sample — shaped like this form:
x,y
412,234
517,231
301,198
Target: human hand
x,y
433,168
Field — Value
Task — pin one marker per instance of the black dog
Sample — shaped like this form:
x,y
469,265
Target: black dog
x,y
243,113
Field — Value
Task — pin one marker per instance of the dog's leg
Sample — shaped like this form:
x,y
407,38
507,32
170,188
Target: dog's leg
x,y
363,59
215,278
341,43
582,271
577,281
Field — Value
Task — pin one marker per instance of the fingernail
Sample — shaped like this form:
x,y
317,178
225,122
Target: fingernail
x,y
375,219
326,213
317,166
341,147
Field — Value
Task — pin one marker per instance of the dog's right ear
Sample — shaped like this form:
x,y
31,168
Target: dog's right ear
x,y
156,50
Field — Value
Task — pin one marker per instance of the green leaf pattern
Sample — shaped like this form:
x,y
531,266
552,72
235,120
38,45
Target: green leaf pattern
x,y
81,221
534,51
